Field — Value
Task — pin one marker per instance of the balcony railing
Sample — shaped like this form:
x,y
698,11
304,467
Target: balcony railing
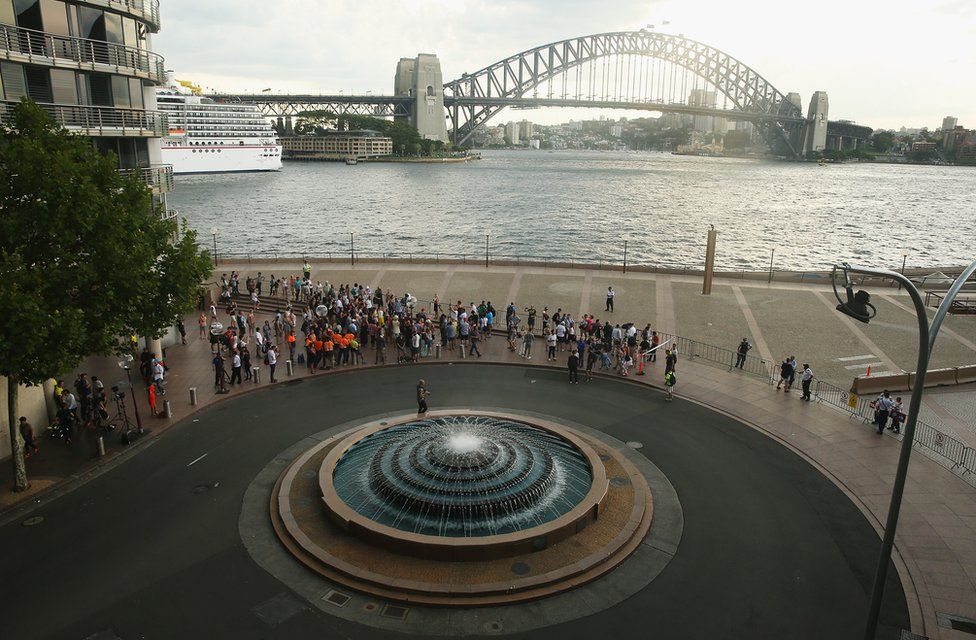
x,y
158,177
169,214
98,121
38,47
144,10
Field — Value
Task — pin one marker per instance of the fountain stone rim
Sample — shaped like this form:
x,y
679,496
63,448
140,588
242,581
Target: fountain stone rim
x,y
473,547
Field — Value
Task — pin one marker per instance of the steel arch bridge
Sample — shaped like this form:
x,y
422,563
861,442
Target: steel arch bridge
x,y
628,69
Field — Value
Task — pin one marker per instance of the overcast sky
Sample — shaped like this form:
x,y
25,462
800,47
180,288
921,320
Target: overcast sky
x,y
885,64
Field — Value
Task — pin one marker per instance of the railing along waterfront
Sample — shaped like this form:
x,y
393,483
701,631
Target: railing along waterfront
x,y
695,350
27,45
147,10
941,446
98,121
158,177
169,214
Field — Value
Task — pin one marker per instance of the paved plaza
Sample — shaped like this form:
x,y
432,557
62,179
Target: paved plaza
x,y
783,500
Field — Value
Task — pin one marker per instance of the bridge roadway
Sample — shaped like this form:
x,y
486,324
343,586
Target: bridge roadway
x,y
292,105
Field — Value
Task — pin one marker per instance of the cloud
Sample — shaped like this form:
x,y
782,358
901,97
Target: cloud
x,y
878,66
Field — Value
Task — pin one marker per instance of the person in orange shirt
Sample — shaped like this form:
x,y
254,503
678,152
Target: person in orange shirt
x,y
329,352
152,398
291,345
320,354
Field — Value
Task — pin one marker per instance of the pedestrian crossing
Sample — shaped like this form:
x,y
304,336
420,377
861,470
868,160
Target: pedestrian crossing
x,y
873,363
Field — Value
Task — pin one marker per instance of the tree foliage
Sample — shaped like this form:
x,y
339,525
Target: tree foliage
x,y
84,258
315,122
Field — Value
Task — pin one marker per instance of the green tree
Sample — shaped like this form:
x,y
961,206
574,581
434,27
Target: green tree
x,y
314,122
882,141
84,259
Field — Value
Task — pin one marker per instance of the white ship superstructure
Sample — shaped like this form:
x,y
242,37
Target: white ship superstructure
x,y
215,137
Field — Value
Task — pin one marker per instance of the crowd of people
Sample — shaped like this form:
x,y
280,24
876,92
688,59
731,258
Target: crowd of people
x,y
324,326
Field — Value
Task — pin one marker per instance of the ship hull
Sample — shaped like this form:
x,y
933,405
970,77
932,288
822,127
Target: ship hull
x,y
222,159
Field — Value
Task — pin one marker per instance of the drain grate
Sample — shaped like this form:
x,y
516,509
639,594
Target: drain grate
x,y
336,598
395,611
956,622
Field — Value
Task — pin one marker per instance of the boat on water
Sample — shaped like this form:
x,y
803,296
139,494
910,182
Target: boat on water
x,y
352,161
214,137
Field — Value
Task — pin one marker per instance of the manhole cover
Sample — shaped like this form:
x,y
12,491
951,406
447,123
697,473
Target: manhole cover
x,y
336,598
33,520
521,568
633,444
201,488
395,611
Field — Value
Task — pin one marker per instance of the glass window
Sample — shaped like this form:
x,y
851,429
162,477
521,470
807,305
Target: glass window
x,y
100,89
129,31
63,86
38,84
55,17
113,28
91,23
135,93
120,91
28,14
7,15
14,83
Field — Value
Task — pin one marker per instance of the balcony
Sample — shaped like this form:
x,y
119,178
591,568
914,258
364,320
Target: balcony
x,y
37,47
91,120
158,177
146,11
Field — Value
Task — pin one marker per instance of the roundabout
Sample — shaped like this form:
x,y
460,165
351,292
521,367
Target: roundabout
x,y
743,538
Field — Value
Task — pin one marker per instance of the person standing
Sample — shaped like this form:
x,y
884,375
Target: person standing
x,y
235,369
573,365
422,394
246,363
152,399
527,340
474,344
740,353
882,409
550,345
669,381
785,371
182,329
218,367
27,433
670,361
610,296
273,360
202,323
806,380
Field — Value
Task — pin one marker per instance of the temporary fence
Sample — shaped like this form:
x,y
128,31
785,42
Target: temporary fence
x,y
944,447
693,349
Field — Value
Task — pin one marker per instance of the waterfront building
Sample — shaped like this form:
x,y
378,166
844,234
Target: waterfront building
x,y
90,65
361,145
957,136
706,99
923,146
526,130
512,133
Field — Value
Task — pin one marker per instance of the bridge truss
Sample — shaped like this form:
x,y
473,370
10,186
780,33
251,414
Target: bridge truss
x,y
285,106
634,69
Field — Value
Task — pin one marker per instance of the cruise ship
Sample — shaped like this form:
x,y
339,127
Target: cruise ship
x,y
214,137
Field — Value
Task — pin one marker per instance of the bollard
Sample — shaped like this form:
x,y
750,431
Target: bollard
x,y
289,367
193,396
256,374
101,446
461,343
437,351
167,411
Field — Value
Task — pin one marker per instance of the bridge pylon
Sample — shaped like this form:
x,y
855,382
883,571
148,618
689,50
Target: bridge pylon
x,y
420,79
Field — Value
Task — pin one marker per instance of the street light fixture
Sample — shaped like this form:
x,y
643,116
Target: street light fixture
x,y
213,232
858,306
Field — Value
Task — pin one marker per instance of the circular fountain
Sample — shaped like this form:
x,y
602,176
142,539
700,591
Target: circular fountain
x,y
461,477
462,508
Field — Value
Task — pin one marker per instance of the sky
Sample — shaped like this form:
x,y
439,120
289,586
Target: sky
x,y
885,64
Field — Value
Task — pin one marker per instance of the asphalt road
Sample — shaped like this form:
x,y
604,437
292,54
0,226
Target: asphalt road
x,y
150,549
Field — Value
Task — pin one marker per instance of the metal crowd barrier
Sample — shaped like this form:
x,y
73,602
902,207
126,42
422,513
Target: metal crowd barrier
x,y
958,454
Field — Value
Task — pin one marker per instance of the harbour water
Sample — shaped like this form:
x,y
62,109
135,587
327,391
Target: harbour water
x,y
582,206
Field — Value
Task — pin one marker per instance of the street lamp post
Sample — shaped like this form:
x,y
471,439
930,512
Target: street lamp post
x,y
213,232
126,364
904,259
352,250
857,306
486,251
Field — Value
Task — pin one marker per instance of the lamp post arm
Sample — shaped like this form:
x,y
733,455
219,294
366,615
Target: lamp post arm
x,y
947,302
898,487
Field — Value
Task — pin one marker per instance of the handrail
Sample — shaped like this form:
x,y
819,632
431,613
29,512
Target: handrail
x,y
17,43
95,120
148,10
158,177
